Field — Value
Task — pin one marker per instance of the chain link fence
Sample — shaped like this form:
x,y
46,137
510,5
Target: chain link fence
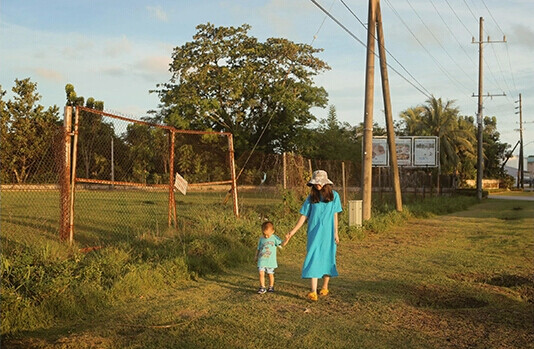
x,y
30,173
121,171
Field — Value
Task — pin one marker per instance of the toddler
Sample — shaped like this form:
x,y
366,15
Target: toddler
x,y
266,256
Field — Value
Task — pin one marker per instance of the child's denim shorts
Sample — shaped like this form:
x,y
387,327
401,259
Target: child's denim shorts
x,y
266,269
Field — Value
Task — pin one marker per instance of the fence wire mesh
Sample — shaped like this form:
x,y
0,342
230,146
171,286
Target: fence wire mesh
x,y
123,176
30,171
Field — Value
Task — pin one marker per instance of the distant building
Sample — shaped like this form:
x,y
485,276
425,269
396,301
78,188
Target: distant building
x,y
528,175
530,168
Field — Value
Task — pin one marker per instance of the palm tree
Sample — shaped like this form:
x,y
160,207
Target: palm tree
x,y
442,120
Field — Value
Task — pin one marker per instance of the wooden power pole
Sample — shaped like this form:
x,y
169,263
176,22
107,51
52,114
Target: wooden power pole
x,y
387,108
375,26
480,118
367,165
520,169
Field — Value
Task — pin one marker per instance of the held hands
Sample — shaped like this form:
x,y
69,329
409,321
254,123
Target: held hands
x,y
288,236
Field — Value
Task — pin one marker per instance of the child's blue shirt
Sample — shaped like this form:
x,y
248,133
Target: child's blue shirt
x,y
267,251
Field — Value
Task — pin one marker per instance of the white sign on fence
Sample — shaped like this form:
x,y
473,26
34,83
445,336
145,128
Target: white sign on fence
x,y
424,151
404,151
180,183
380,152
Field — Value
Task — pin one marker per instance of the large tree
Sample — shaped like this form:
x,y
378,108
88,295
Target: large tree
x,y
226,80
29,133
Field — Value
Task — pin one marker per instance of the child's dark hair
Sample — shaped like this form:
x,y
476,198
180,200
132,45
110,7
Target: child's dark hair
x,y
266,225
326,194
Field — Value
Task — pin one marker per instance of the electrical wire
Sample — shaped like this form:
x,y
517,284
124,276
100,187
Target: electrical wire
x,y
495,53
426,94
469,8
459,20
391,55
443,70
491,15
452,34
437,40
322,23
502,74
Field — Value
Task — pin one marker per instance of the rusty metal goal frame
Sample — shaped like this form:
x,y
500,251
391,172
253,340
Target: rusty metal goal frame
x,y
69,178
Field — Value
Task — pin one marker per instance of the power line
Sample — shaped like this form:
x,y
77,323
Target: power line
x,y
428,95
511,70
459,20
322,23
452,34
491,15
495,54
443,70
502,73
493,49
475,17
392,56
435,38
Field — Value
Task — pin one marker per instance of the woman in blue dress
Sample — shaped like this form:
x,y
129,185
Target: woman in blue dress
x,y
320,209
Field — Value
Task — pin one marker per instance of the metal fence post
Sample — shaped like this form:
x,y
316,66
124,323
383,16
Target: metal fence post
x,y
64,186
73,175
232,173
172,202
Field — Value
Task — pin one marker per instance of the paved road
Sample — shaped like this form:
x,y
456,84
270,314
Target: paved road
x,y
511,197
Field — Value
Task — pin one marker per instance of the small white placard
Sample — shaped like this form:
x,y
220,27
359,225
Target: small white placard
x,y
380,152
425,152
180,183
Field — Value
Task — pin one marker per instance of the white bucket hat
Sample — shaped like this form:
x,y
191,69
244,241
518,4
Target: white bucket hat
x,y
319,177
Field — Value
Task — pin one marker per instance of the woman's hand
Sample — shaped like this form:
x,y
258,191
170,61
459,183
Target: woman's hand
x,y
288,236
336,238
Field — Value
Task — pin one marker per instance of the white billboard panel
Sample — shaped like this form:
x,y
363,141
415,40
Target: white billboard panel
x,y
425,151
404,151
380,152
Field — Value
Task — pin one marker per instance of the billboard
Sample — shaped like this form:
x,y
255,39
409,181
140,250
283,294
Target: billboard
x,y
380,152
425,151
404,151
413,151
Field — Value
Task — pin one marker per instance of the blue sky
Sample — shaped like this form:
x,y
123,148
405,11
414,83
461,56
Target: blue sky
x,y
116,51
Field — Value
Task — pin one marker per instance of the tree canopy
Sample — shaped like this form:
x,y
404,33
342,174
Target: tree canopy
x,y
227,80
457,137
28,134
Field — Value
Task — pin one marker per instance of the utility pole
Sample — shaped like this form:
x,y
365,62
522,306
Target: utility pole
x,y
521,171
387,108
480,125
367,166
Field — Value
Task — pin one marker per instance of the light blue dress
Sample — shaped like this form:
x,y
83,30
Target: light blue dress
x,y
321,247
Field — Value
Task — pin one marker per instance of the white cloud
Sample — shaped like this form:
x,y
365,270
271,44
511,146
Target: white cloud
x,y
116,47
154,64
49,74
114,71
524,36
157,13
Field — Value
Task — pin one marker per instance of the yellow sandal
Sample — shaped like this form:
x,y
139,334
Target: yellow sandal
x,y
324,292
312,296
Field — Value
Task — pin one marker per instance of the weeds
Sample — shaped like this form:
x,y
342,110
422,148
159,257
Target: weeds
x,y
44,282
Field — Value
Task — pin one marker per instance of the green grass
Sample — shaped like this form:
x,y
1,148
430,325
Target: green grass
x,y
417,279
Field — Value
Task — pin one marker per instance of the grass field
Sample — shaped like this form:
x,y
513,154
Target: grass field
x,y
413,280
